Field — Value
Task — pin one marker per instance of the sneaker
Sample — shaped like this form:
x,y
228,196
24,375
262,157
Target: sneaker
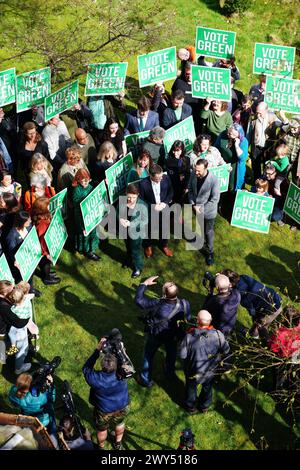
x,y
280,223
293,228
136,274
25,367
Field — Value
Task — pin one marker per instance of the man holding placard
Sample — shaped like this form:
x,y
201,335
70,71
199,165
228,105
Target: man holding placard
x,y
178,111
141,120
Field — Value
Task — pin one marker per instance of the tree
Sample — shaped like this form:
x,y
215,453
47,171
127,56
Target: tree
x,y
67,35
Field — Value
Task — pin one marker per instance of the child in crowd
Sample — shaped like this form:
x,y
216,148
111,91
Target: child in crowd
x,y
7,185
281,160
261,187
22,307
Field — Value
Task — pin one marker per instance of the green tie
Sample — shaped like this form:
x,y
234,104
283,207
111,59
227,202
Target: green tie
x,y
141,125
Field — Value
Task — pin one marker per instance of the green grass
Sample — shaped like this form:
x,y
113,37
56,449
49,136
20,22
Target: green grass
x,y
93,298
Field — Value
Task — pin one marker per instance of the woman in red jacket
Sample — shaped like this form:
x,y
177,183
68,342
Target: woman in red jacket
x,y
41,218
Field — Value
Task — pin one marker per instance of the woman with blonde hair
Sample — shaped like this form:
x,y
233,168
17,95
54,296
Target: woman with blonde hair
x,y
40,165
69,169
106,157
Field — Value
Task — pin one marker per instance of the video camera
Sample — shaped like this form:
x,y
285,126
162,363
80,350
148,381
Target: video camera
x,y
115,346
69,405
39,377
209,280
186,441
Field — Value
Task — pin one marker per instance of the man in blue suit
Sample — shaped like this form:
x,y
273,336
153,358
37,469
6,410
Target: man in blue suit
x,y
142,119
157,191
178,111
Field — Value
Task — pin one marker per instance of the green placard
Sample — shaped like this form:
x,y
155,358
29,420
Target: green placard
x,y
29,254
61,100
7,87
184,131
271,59
94,207
5,272
222,172
252,211
105,79
59,201
292,203
134,139
56,236
283,93
211,82
157,66
116,177
215,42
32,88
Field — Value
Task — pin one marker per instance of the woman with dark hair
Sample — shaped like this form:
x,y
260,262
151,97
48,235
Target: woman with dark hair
x,y
84,243
113,133
217,118
14,239
7,185
178,169
8,208
41,218
31,142
133,218
140,168
233,146
202,148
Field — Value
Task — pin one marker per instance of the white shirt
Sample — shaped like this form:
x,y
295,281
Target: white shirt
x,y
57,138
156,191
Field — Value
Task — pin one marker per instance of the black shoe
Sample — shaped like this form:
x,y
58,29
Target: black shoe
x,y
51,281
53,275
36,292
204,250
92,256
136,273
209,259
191,411
141,382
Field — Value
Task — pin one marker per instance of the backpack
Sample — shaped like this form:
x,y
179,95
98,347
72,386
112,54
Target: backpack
x,y
154,327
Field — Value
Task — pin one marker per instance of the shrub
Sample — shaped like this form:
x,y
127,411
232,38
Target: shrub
x,y
234,6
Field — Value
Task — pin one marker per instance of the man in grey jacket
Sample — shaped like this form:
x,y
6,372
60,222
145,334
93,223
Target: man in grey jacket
x,y
202,350
204,195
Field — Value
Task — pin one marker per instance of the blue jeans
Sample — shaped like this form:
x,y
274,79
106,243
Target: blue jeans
x,y
205,397
22,345
151,346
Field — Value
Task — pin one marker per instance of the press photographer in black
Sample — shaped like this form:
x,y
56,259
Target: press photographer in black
x,y
109,391
222,306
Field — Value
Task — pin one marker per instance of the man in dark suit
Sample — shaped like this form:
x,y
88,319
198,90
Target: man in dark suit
x,y
142,119
156,190
178,111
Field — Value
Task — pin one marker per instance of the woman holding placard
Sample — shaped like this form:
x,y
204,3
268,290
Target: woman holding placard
x,y
216,117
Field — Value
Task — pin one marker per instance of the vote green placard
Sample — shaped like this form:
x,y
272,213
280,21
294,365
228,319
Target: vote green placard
x,y
222,172
184,131
215,42
283,93
271,59
292,203
32,88
59,201
157,66
7,86
5,272
211,82
56,236
60,100
116,177
134,139
105,79
29,254
252,211
94,207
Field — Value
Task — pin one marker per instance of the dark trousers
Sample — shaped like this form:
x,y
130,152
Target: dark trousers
x,y
257,157
134,252
151,346
209,234
205,397
158,231
45,265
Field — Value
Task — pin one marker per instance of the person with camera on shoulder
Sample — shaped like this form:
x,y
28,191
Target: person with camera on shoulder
x,y
202,350
222,306
108,394
161,327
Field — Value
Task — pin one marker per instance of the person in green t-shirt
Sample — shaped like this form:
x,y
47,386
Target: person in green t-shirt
x,y
216,117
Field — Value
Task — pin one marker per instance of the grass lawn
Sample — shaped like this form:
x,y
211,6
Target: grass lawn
x,y
95,297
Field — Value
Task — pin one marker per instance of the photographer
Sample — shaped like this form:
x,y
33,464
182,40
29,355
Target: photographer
x,y
31,403
262,302
222,306
108,395
202,350
161,327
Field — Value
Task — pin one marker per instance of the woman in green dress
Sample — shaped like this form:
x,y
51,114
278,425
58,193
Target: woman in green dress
x,y
85,244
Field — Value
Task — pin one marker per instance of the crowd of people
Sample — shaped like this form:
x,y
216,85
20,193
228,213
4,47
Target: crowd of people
x,y
72,151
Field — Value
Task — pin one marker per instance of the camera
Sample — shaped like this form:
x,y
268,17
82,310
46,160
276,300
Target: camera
x,y
186,441
115,346
39,377
209,280
69,405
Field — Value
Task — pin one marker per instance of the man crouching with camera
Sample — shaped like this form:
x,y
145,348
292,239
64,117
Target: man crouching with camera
x,y
108,394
